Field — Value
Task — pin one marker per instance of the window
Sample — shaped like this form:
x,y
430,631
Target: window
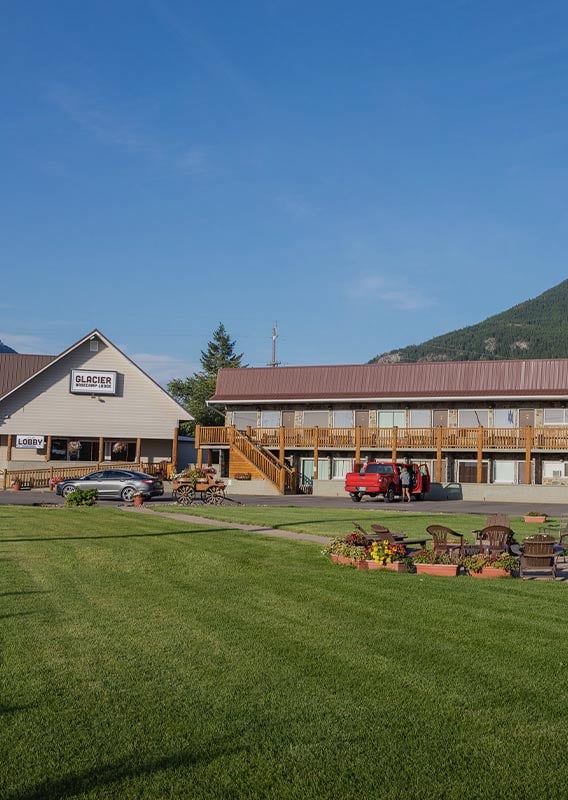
x,y
269,419
340,467
316,419
420,418
504,471
555,416
504,418
74,450
244,419
391,419
379,469
473,418
342,419
554,469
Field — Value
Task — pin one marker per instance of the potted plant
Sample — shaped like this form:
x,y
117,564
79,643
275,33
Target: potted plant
x,y
385,555
350,549
428,562
73,446
53,481
16,484
535,517
485,566
119,447
138,498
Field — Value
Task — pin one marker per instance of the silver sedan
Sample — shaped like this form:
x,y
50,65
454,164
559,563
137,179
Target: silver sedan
x,y
119,484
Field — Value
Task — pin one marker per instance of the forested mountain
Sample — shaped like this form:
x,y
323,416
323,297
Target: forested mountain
x,y
5,349
534,329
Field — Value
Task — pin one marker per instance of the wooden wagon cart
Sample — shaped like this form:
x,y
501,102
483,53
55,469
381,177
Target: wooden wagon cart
x,y
205,488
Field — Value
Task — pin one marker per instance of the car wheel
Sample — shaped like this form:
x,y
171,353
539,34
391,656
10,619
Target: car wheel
x,y
67,490
389,494
128,493
356,497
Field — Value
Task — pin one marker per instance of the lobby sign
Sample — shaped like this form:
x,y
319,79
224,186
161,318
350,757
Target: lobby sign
x,y
30,442
88,381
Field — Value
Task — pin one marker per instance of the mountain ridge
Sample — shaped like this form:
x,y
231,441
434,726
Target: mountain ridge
x,y
535,328
5,349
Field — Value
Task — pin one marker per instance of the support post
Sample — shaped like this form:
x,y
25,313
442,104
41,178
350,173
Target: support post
x,y
439,454
528,454
175,449
47,448
394,443
101,449
316,453
479,474
282,452
9,448
358,444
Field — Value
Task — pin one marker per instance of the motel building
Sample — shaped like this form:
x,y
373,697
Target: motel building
x,y
89,406
485,429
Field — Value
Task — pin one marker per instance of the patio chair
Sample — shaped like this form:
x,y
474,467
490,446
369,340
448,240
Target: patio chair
x,y
445,540
493,519
538,557
495,539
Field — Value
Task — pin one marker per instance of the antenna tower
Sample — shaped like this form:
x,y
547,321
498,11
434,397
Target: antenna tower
x,y
274,362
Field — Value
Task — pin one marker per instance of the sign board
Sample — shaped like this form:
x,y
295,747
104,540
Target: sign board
x,y
88,381
30,442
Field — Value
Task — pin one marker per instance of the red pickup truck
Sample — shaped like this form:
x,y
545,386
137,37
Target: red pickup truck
x,y
383,478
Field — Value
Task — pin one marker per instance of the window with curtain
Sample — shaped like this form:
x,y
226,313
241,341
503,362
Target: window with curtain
x,y
244,419
316,419
473,417
270,419
420,418
340,467
555,416
504,418
391,419
343,419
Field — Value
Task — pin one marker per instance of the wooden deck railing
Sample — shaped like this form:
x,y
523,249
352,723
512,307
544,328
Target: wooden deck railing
x,y
279,474
507,439
39,478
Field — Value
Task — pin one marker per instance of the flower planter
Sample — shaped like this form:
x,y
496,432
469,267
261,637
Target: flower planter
x,y
343,560
446,570
394,566
138,501
491,572
16,486
537,520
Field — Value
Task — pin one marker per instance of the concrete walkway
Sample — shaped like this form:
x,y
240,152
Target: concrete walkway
x,y
215,523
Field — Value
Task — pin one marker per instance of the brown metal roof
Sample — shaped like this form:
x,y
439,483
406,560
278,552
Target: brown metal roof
x,y
16,368
535,377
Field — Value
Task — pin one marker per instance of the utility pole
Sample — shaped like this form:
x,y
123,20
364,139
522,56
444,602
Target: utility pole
x,y
274,362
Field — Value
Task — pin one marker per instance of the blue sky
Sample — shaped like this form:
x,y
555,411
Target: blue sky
x,y
367,174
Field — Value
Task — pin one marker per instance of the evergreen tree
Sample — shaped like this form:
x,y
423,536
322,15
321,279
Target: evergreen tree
x,y
194,391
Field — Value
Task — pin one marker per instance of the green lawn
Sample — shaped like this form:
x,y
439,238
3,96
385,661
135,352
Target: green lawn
x,y
339,521
147,658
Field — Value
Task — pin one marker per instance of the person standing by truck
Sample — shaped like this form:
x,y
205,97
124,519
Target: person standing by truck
x,y
405,484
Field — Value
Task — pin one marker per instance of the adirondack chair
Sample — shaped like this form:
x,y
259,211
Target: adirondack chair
x,y
495,539
445,540
539,557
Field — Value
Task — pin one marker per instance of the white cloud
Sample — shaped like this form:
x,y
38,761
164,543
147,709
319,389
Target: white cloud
x,y
404,295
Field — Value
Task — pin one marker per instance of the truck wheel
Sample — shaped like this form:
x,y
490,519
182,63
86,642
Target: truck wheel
x,y
389,494
356,497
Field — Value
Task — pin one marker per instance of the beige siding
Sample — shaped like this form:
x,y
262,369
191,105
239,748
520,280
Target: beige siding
x,y
45,405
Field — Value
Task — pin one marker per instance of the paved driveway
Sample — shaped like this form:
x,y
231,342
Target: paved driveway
x,y
39,497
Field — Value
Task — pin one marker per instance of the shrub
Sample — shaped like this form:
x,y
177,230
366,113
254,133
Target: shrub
x,y
430,557
81,497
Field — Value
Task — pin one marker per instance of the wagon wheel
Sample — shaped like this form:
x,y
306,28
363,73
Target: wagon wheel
x,y
185,495
211,497
218,496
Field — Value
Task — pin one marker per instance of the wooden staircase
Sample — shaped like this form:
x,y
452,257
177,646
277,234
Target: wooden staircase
x,y
261,462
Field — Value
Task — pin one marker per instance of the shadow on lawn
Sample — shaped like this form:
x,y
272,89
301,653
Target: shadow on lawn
x,y
25,591
113,536
111,773
18,614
